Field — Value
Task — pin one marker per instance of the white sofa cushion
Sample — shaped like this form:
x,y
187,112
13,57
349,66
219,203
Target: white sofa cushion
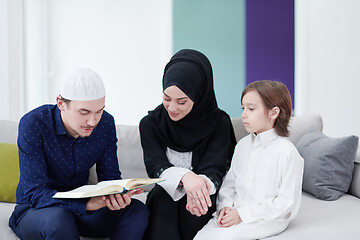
x,y
6,210
330,220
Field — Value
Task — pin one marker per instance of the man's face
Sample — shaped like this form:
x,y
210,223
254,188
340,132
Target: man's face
x,y
81,117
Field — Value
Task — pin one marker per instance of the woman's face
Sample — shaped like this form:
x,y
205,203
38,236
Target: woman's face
x,y
176,103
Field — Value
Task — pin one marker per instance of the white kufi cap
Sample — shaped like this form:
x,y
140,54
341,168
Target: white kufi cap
x,y
83,85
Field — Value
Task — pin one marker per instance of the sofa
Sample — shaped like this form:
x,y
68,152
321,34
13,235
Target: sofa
x,y
316,219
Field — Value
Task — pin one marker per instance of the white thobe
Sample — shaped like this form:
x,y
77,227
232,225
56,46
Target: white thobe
x,y
263,184
173,175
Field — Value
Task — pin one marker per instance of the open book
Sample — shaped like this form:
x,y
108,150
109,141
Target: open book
x,y
108,187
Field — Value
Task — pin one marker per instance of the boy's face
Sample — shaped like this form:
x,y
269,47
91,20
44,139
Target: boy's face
x,y
256,118
81,117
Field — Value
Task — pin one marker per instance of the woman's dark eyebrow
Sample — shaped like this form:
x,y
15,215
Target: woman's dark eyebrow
x,y
182,98
177,98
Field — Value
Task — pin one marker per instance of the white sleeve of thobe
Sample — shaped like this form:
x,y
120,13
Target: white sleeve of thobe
x,y
173,176
227,190
286,202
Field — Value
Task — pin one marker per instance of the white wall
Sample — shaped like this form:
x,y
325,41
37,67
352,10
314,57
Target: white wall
x,y
327,49
127,42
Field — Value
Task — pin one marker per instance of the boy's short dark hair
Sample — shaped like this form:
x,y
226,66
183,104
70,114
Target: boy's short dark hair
x,y
274,94
65,100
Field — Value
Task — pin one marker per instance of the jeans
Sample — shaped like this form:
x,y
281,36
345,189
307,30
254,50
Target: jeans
x,y
59,223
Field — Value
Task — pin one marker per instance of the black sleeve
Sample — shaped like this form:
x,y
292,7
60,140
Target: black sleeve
x,y
214,158
155,158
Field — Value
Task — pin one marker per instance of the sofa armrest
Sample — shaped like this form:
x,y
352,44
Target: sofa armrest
x,y
8,131
355,183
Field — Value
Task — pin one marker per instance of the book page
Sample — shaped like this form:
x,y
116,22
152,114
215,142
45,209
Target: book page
x,y
100,189
141,182
107,187
120,182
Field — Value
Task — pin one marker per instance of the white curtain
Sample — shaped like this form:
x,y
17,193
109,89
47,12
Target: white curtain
x,y
12,91
36,52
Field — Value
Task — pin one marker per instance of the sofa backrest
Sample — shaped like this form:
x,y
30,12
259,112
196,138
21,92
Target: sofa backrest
x,y
298,126
130,153
8,131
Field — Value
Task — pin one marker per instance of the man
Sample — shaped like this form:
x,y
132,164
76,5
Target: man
x,y
58,144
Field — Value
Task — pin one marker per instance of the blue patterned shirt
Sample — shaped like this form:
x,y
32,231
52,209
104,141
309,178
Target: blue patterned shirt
x,y
51,160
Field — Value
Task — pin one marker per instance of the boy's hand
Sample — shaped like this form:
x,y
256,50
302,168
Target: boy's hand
x,y
222,213
228,217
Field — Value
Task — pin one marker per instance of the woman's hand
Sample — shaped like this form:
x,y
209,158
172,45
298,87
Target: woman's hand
x,y
191,207
228,217
113,202
197,189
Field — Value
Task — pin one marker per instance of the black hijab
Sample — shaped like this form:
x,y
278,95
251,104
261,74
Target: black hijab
x,y
191,72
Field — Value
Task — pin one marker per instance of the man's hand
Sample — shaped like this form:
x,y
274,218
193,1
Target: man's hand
x,y
120,201
197,189
113,202
95,203
228,217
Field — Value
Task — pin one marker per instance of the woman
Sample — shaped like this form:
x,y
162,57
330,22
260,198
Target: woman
x,y
188,141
